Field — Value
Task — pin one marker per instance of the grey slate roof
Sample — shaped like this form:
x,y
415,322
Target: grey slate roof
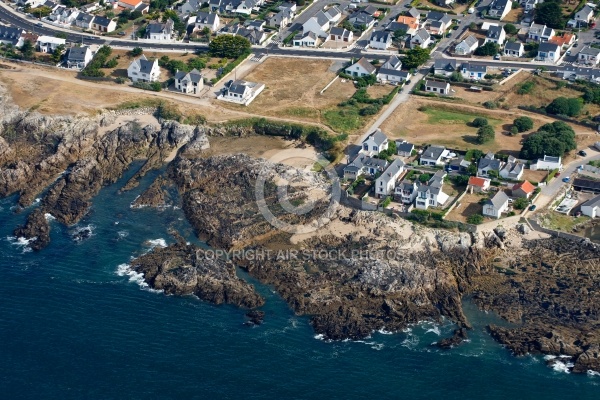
x,y
515,46
77,53
392,63
145,64
470,40
445,64
238,87
10,34
494,32
405,147
380,36
422,34
590,51
193,76
474,68
377,136
433,152
498,200
593,202
413,12
363,62
392,170
436,84
206,18
84,18
551,159
322,19
547,47
102,21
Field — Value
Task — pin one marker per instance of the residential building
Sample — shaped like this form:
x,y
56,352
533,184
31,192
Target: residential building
x,y
548,52
79,57
333,14
390,72
499,9
319,25
380,40
474,72
524,189
574,73
496,34
478,184
444,2
589,55
47,44
441,88
12,36
433,156
143,70
207,20
161,32
254,24
280,19
375,143
444,66
591,208
467,45
582,17
341,35
190,7
361,68
459,164
432,194
548,163
386,182
512,170
495,206
189,82
404,148
288,6
413,12
406,191
540,33
564,41
487,164
308,39
90,7
241,92
394,27
130,4
529,5
64,15
103,24
421,39
586,185
410,22
364,165
364,18
514,49
84,21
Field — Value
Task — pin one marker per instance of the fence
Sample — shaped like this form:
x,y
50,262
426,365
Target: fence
x,y
353,202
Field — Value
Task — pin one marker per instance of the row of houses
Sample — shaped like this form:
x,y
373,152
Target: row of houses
x,y
389,72
321,28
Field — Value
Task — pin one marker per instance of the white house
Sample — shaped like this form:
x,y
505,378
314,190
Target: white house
x,y
375,143
591,208
103,24
280,19
363,164
130,4
404,148
79,57
319,25
390,72
512,170
189,82
361,68
477,184
437,23
444,66
467,45
442,88
589,55
84,21
308,39
380,40
487,164
241,92
47,44
161,32
514,49
340,35
582,17
12,36
406,192
495,206
207,20
432,194
540,33
190,7
548,163
333,14
496,34
433,156
421,39
143,70
499,8
471,71
548,52
386,182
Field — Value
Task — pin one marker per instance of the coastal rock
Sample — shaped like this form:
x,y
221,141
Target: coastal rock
x,y
523,229
37,229
457,338
255,317
178,269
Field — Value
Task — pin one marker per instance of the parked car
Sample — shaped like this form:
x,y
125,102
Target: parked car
x,y
557,174
582,153
532,207
568,52
497,56
566,179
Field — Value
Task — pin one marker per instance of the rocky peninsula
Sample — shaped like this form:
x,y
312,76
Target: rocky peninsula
x,y
353,272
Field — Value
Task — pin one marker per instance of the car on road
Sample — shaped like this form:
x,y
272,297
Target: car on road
x,y
40,24
568,52
122,33
497,56
566,179
575,45
532,207
557,174
582,153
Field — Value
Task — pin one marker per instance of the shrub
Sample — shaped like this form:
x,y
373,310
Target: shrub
x,y
514,131
523,124
565,106
550,139
475,219
485,134
136,51
490,105
479,122
521,203
386,202
526,87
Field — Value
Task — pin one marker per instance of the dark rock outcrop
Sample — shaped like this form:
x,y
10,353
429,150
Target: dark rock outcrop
x,y
36,229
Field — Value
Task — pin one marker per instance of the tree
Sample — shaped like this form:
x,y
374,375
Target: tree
x,y
424,178
514,131
565,106
475,219
415,57
456,77
473,26
136,51
196,63
479,122
488,49
27,49
523,124
300,3
510,29
550,139
549,13
229,46
520,203
57,53
485,134
41,12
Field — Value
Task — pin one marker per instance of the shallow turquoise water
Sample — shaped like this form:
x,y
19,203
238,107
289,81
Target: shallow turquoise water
x,y
71,328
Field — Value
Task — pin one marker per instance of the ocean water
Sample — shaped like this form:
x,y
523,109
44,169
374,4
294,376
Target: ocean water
x,y
74,325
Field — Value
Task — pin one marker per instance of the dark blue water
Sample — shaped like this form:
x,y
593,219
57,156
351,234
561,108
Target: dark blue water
x,y
71,328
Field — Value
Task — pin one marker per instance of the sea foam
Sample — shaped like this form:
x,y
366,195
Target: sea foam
x,y
135,277
21,242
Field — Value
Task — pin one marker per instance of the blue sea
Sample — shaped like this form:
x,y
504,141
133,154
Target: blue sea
x,y
74,326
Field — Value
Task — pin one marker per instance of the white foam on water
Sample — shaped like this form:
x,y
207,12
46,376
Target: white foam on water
x,y
156,243
37,200
411,342
319,336
81,229
135,277
593,373
123,234
49,217
384,332
21,242
560,366
378,346
435,329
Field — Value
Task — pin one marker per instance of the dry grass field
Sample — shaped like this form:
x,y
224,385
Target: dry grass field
x,y
469,205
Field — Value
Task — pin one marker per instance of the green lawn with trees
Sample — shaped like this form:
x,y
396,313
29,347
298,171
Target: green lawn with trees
x,y
553,139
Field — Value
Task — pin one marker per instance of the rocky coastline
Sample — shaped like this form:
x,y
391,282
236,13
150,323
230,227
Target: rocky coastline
x,y
353,273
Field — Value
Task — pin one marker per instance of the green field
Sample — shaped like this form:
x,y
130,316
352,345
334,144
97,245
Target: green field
x,y
343,120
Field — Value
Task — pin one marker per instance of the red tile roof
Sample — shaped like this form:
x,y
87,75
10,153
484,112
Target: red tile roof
x,y
477,181
525,186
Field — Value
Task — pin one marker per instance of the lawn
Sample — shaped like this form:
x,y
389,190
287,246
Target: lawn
x,y
561,222
468,205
